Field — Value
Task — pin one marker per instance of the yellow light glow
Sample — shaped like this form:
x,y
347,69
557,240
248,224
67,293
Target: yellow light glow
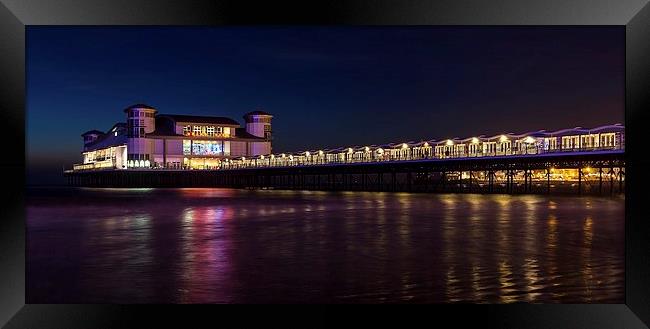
x,y
529,140
262,157
243,159
272,156
474,140
320,152
282,155
426,144
588,169
350,150
503,138
380,150
450,142
367,149
404,146
307,153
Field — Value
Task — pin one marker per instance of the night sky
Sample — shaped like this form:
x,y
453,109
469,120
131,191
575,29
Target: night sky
x,y
325,86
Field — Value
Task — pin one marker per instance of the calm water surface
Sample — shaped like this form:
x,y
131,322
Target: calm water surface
x,y
238,246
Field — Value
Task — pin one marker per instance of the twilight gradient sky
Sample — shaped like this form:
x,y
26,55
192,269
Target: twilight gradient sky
x,y
326,86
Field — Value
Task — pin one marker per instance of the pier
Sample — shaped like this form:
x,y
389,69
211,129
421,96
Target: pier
x,y
590,172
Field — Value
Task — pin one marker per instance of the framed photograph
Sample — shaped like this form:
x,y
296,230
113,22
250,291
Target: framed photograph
x,y
475,157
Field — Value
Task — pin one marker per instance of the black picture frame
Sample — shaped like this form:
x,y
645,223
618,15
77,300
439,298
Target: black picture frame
x,y
15,15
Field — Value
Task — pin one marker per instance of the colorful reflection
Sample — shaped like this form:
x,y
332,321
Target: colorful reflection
x,y
223,246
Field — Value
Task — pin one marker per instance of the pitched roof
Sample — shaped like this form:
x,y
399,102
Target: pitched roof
x,y
200,119
105,141
242,133
95,132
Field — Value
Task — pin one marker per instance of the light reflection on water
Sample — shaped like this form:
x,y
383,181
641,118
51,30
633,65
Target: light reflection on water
x,y
232,246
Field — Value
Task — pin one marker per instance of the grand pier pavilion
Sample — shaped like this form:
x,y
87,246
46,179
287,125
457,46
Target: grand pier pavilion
x,y
171,150
148,140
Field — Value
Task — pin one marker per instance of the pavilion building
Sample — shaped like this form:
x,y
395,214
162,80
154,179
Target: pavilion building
x,y
151,140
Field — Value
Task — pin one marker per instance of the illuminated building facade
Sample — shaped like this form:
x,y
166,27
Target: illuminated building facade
x,y
151,140
565,141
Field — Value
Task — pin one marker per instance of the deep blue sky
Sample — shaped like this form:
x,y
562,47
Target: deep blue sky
x,y
326,86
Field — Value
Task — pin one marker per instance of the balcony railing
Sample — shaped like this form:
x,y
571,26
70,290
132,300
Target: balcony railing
x,y
346,157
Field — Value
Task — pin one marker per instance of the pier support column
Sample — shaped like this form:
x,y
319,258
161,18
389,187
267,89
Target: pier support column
x,y
620,179
490,175
580,180
611,181
444,180
426,180
600,180
408,180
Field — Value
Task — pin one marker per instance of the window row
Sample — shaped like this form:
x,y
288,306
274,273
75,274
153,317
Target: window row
x,y
208,131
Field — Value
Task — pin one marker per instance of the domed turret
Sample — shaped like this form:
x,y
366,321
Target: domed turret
x,y
140,120
258,123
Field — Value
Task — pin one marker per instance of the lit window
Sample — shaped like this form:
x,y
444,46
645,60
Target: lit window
x,y
197,130
187,130
187,147
210,131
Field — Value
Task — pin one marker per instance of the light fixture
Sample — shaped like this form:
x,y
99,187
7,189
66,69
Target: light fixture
x,y
474,140
450,142
320,152
367,149
307,153
404,146
350,150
